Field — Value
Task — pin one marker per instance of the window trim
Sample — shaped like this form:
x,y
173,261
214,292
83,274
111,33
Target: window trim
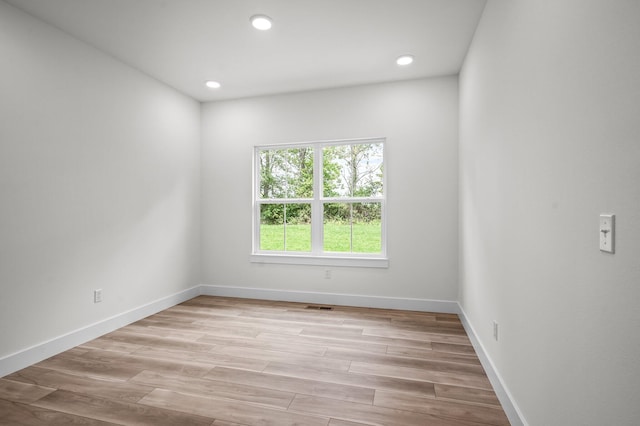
x,y
317,256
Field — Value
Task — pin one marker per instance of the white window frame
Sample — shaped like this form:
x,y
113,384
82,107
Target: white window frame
x,y
317,256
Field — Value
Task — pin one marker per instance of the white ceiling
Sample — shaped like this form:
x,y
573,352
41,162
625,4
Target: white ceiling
x,y
313,44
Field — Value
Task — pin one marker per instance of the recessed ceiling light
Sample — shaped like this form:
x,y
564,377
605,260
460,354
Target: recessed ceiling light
x,y
261,22
212,84
404,60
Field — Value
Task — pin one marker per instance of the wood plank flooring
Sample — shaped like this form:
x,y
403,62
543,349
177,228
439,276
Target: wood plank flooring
x,y
238,362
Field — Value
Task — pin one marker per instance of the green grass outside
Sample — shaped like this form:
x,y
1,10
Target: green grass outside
x,y
337,236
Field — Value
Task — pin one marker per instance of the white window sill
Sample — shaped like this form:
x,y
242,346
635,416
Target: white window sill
x,y
328,260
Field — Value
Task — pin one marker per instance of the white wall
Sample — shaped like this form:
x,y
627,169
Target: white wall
x,y
418,118
99,185
549,139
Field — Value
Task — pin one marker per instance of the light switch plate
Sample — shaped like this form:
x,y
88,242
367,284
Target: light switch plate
x,y
607,231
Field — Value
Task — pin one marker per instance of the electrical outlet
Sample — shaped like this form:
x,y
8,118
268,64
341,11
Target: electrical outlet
x,y
495,330
97,295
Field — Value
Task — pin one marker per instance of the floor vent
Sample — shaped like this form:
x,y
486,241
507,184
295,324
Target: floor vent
x,y
320,308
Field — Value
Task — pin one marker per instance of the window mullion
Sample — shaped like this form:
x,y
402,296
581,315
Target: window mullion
x,y
317,210
285,201
351,227
284,226
354,199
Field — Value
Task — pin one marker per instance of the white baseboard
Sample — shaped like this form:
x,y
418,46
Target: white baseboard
x,y
506,399
24,358
409,304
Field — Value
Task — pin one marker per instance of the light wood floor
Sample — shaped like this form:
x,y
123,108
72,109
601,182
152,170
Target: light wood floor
x,y
229,362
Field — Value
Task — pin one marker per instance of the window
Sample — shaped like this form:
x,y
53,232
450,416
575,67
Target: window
x,y
320,203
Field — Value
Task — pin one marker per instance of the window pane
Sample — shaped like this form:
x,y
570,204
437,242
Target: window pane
x,y
367,228
298,227
352,227
352,170
272,227
286,173
337,227
285,227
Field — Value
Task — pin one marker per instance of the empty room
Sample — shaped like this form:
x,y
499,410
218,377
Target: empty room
x,y
336,212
